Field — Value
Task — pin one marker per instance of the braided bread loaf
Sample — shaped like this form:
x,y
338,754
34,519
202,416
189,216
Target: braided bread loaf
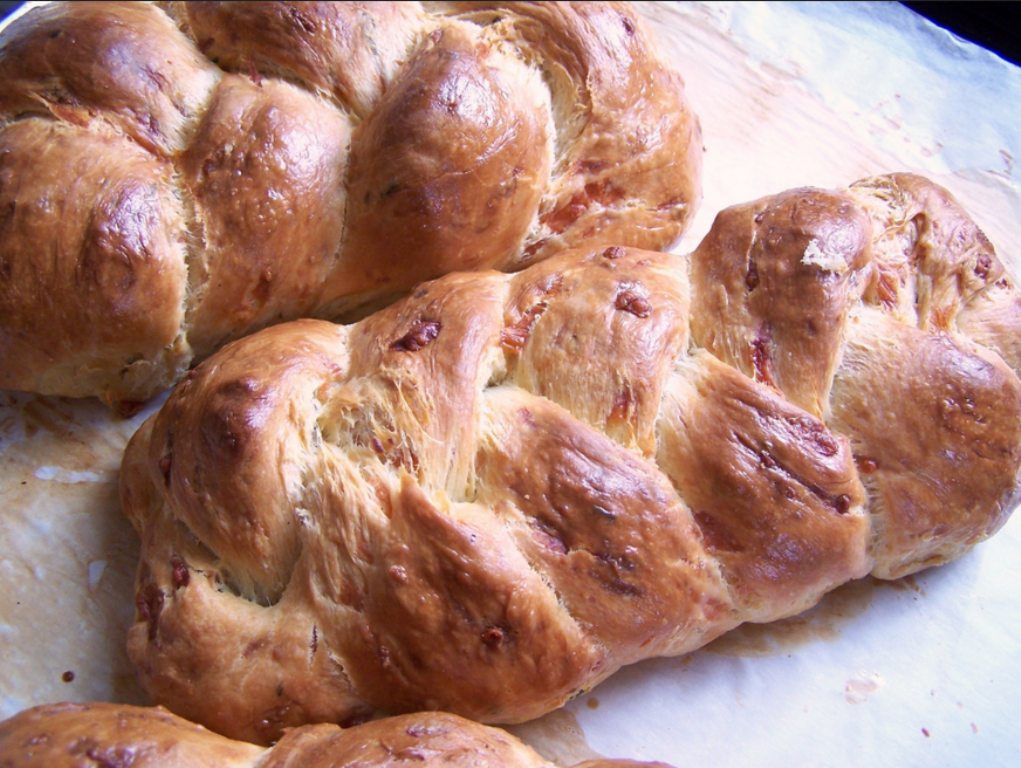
x,y
173,178
491,495
60,735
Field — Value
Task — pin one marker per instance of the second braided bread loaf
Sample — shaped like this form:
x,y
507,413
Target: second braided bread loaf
x,y
496,492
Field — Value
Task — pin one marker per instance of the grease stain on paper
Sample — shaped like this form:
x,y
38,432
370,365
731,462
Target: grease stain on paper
x,y
905,584
822,622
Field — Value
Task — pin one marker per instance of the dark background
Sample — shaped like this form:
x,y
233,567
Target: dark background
x,y
996,26
993,25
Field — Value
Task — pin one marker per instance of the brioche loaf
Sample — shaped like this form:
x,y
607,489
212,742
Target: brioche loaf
x,y
174,176
491,495
66,735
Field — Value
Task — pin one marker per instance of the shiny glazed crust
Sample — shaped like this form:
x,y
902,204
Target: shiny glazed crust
x,y
494,493
66,735
177,175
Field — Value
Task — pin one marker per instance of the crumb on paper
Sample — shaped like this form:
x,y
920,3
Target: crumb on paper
x,y
858,689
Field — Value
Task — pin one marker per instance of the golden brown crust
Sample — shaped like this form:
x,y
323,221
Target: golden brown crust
x,y
459,148
930,256
109,246
993,319
778,277
946,476
262,185
320,44
933,418
774,493
557,475
313,159
64,735
119,64
626,144
114,734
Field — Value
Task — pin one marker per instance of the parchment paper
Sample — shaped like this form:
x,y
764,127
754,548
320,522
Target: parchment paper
x,y
924,671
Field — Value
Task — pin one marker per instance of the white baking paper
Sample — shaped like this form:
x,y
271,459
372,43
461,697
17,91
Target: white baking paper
x,y
924,671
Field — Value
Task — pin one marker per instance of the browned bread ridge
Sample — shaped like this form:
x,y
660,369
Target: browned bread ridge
x,y
491,495
73,735
174,176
